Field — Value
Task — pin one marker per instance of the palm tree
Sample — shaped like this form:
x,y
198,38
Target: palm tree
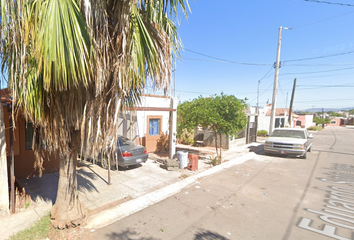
x,y
72,65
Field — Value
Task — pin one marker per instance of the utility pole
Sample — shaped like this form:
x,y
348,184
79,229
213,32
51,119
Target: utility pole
x,y
275,88
292,101
287,96
259,83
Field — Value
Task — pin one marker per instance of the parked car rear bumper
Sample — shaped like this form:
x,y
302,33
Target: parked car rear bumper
x,y
129,161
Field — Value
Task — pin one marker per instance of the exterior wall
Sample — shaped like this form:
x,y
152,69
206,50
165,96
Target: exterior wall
x,y
142,119
335,122
128,125
237,142
209,139
24,158
263,120
306,121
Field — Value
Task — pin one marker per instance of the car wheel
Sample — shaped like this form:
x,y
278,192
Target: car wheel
x,y
104,161
304,156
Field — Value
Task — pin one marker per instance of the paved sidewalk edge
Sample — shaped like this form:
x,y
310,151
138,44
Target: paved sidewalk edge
x,y
125,209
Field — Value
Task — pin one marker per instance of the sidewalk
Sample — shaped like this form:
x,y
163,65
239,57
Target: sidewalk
x,y
131,190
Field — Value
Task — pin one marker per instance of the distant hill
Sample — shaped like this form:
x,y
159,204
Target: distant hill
x,y
326,109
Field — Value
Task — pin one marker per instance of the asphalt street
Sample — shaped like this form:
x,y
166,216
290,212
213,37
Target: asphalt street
x,y
268,197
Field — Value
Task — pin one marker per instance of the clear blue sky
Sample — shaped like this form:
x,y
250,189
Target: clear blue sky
x,y
246,31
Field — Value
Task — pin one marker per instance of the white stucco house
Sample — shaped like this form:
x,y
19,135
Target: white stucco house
x,y
152,122
281,118
305,121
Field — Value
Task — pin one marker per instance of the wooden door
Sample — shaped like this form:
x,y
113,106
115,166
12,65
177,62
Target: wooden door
x,y
153,133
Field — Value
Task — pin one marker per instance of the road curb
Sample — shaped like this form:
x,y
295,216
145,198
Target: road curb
x,y
125,209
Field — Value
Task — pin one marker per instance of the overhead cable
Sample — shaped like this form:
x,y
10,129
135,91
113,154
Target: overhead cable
x,y
228,61
332,70
311,58
331,3
323,20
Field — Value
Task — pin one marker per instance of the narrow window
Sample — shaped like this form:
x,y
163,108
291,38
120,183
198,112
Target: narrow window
x,y
29,135
154,127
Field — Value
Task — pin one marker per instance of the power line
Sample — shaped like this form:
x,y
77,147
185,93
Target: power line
x,y
318,65
331,3
205,60
208,93
333,70
284,65
336,85
325,56
324,76
265,75
224,60
311,87
220,60
323,20
326,100
281,88
262,92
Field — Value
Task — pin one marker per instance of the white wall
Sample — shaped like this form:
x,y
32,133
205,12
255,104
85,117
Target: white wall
x,y
148,101
128,125
309,121
263,120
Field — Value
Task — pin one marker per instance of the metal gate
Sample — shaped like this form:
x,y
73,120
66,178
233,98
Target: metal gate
x,y
251,130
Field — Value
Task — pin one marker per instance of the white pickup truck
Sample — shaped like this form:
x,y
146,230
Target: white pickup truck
x,y
289,141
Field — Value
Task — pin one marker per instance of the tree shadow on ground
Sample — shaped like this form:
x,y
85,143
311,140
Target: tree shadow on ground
x,y
208,235
45,188
84,180
128,235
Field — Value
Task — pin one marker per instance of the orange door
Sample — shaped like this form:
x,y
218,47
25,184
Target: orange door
x,y
153,133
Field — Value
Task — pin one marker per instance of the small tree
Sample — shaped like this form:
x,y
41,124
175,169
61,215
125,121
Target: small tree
x,y
335,114
224,114
321,121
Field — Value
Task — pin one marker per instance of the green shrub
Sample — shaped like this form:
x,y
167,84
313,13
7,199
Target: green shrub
x,y
189,141
262,133
215,160
186,137
315,128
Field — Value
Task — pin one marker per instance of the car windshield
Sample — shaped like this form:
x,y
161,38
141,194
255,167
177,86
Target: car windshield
x,y
122,141
288,134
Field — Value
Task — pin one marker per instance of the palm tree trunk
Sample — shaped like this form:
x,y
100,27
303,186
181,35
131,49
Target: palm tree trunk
x,y
68,211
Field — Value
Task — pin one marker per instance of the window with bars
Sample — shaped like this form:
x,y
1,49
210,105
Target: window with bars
x,y
29,135
154,127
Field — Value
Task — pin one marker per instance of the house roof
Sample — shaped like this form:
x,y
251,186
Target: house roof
x,y
280,112
5,96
